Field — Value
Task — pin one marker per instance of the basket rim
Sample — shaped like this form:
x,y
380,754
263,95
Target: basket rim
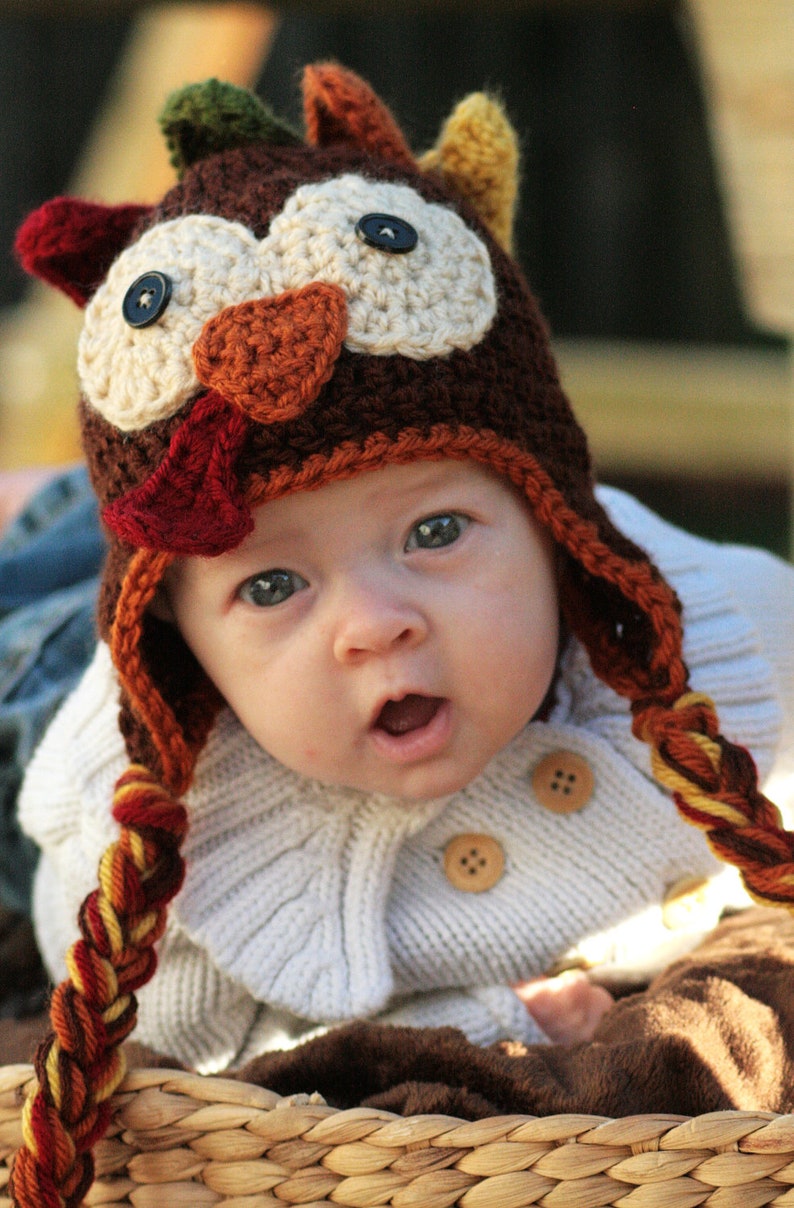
x,y
197,1140
19,1080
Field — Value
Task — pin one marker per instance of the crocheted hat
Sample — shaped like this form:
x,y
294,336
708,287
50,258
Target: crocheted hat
x,y
291,313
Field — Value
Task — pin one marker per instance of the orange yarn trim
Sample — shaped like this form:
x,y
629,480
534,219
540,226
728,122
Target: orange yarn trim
x,y
143,576
340,108
80,1064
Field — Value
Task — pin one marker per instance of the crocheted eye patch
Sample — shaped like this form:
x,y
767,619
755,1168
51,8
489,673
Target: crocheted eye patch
x,y
231,292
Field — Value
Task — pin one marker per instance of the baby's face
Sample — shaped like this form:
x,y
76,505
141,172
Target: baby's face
x,y
390,632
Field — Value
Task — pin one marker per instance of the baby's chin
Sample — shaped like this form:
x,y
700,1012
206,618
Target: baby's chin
x,y
430,779
412,786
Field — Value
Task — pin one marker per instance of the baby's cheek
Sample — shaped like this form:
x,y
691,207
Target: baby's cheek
x,y
310,756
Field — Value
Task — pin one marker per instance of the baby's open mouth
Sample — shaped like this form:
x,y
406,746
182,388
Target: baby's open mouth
x,y
413,712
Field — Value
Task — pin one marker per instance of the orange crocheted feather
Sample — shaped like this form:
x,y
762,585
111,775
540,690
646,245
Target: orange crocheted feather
x,y
340,108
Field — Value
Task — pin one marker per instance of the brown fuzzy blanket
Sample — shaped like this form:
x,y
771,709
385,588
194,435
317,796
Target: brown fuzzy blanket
x,y
715,1031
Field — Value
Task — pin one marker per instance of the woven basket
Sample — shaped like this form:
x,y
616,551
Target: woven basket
x,y
180,1139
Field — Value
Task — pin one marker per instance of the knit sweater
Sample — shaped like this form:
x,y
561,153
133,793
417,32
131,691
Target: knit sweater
x,y
306,905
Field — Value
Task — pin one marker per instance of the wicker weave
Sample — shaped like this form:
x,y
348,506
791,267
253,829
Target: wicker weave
x,y
180,1139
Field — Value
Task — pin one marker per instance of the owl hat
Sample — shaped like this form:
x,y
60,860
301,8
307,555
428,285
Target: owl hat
x,y
295,312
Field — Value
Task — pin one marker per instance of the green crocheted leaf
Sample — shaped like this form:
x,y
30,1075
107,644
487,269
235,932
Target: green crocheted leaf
x,y
200,119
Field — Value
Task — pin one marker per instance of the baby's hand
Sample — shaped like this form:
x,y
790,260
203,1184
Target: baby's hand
x,y
567,1007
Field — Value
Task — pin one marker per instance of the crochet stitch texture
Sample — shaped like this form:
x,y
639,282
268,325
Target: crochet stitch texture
x,y
185,433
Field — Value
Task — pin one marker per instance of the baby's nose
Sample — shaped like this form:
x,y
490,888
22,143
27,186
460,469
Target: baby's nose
x,y
374,621
272,356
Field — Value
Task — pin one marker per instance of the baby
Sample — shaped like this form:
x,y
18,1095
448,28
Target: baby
x,y
416,606
422,689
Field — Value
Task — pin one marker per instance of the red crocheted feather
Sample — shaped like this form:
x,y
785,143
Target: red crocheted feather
x,y
71,243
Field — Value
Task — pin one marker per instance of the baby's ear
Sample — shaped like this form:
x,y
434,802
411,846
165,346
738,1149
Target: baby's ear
x,y
71,244
160,605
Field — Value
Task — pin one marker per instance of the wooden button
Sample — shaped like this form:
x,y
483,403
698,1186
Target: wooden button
x,y
685,905
563,782
473,863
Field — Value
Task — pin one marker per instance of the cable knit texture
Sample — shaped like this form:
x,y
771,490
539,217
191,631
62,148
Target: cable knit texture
x,y
306,905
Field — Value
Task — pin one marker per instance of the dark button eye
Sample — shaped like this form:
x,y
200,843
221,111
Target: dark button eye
x,y
146,299
387,233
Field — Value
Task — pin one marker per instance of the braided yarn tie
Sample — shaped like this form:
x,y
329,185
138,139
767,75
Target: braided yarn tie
x,y
714,785
80,1064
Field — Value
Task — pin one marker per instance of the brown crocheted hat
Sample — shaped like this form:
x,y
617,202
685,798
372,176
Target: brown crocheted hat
x,y
293,312
289,314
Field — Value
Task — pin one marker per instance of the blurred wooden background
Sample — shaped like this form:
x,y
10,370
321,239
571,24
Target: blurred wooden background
x,y
658,220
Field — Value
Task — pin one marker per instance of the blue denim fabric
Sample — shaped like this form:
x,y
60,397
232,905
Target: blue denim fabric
x,y
50,558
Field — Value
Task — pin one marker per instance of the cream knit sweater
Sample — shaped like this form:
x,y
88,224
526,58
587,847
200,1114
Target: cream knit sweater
x,y
305,906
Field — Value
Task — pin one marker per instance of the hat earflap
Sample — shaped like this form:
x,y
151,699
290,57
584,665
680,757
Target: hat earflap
x,y
637,650
148,721
713,782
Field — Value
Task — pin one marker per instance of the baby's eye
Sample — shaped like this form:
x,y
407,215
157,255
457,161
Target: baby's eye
x,y
436,531
271,587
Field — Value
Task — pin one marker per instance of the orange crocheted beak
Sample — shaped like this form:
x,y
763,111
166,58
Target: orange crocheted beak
x,y
272,356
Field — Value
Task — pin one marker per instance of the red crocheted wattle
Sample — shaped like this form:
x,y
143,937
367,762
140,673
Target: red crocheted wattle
x,y
192,504
71,243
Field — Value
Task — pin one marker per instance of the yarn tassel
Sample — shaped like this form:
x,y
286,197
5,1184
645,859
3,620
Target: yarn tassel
x,y
80,1064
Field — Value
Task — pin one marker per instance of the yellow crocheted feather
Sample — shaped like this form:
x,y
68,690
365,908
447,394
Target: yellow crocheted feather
x,y
477,154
